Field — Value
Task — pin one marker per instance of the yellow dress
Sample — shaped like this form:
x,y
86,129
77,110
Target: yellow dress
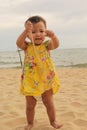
x,y
39,73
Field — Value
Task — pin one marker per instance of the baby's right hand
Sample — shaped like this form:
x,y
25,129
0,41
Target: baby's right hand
x,y
28,26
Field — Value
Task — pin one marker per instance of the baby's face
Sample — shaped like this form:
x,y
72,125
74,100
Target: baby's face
x,y
39,32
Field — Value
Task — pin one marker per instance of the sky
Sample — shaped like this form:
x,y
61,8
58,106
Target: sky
x,y
67,18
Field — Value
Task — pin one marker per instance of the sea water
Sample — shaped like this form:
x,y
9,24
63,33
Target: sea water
x,y
60,57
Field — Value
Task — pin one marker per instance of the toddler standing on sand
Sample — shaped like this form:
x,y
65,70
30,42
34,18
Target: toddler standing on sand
x,y
39,75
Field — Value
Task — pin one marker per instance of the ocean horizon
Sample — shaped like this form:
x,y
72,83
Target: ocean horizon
x,y
76,57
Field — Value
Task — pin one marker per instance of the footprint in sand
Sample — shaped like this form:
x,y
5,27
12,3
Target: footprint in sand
x,y
2,113
76,104
68,116
15,122
69,126
14,114
81,122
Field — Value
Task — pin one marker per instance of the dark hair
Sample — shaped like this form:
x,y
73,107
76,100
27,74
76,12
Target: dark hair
x,y
36,19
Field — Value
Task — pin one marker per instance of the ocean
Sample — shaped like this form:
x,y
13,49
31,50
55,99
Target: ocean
x,y
61,58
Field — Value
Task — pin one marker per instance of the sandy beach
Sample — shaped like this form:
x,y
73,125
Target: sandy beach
x,y
70,101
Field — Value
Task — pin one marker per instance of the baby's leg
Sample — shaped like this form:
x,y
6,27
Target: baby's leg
x,y
47,98
30,111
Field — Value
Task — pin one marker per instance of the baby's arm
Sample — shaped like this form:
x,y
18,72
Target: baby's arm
x,y
21,43
53,42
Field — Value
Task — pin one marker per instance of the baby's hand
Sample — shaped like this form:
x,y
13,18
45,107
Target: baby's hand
x,y
50,33
28,26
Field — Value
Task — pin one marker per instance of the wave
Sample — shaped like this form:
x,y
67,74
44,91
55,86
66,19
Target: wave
x,y
18,64
3,62
82,65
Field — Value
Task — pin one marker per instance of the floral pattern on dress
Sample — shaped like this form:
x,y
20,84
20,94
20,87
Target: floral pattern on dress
x,y
39,72
50,76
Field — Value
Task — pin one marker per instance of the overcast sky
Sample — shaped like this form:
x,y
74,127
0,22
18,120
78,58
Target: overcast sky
x,y
67,18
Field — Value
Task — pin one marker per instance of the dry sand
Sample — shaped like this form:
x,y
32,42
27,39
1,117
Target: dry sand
x,y
70,101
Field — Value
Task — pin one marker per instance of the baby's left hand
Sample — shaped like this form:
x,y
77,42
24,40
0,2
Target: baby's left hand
x,y
50,33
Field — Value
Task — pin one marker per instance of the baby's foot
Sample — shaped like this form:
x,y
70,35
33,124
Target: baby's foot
x,y
56,125
29,127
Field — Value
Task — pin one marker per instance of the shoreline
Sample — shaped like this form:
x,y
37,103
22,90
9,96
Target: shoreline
x,y
57,67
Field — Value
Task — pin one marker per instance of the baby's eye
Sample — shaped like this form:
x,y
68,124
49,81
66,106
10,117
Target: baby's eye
x,y
41,31
33,32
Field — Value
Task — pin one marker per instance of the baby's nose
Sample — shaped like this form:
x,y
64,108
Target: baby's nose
x,y
37,33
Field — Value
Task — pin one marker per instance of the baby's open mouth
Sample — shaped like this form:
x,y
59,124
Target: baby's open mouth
x,y
37,38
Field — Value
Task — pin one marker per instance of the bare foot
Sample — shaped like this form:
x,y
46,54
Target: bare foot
x,y
29,127
56,125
